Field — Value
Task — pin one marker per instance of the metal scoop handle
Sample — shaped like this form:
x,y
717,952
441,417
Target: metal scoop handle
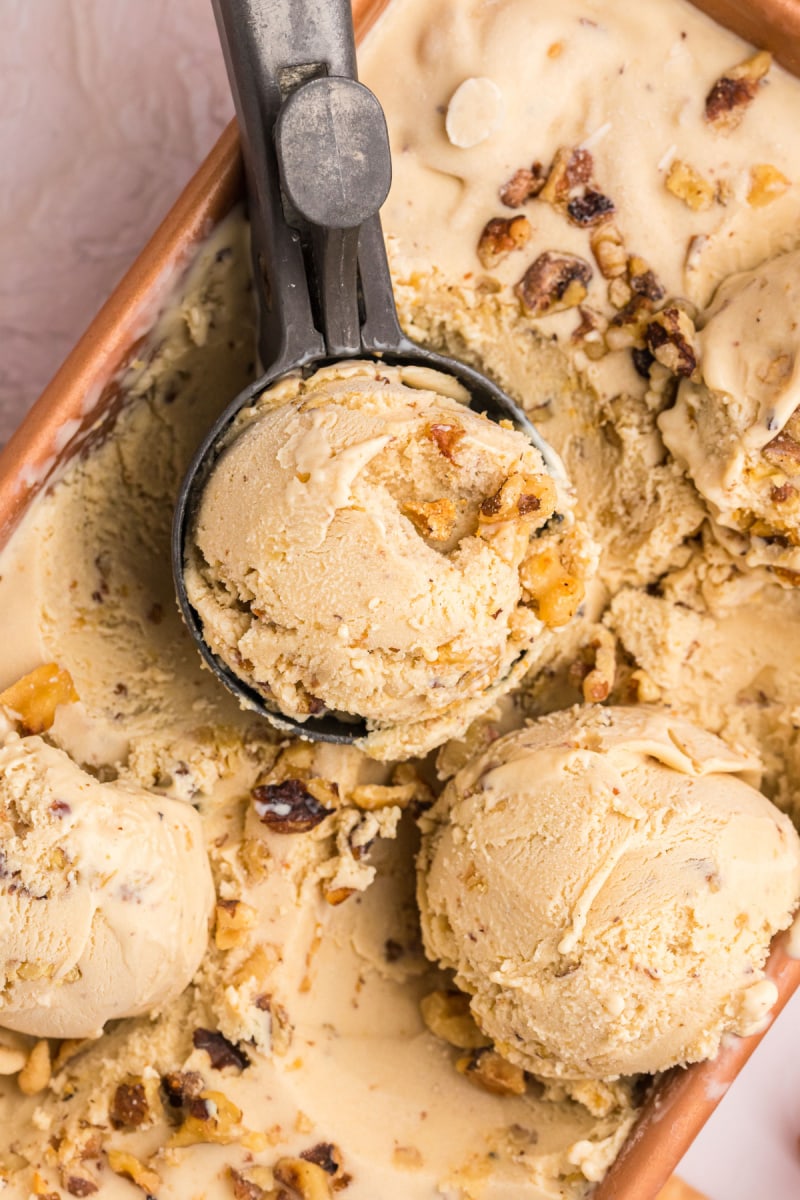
x,y
316,154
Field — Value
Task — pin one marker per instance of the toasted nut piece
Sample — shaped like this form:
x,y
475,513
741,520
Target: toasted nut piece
x,y
324,791
125,1164
210,1117
592,208
619,292
259,965
784,449
338,895
34,698
767,183
434,519
221,1052
500,236
448,1016
129,1108
552,590
234,919
526,497
446,438
670,338
553,282
78,1181
371,796
310,1181
647,690
598,683
288,807
627,329
689,186
523,185
326,1155
643,280
256,1183
487,1070
608,249
35,1075
730,96
570,169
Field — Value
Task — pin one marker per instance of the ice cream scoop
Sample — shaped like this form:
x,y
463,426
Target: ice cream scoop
x,y
317,159
105,895
605,884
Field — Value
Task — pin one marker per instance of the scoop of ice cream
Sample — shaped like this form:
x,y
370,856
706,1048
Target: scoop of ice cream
x,y
105,895
605,885
737,431
368,545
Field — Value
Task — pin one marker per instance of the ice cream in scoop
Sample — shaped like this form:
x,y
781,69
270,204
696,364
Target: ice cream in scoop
x,y
605,885
105,895
368,545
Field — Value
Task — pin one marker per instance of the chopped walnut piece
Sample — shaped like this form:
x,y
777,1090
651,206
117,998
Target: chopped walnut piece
x,y
446,438
337,895
643,280
310,1181
209,1117
784,449
554,282
592,208
628,327
689,186
526,497
551,589
589,331
34,698
220,1051
499,237
598,683
767,183
181,1087
233,921
434,519
570,169
129,1108
288,807
619,292
670,338
487,1070
608,249
730,96
125,1164
245,1188
448,1016
371,796
35,1075
523,185
80,1182
325,1155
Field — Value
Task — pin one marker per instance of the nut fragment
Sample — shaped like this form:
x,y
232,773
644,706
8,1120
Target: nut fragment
x,y
129,1167
326,1155
554,282
209,1117
245,1187
306,1178
670,338
570,169
523,185
527,497
220,1051
34,698
233,920
643,280
448,1016
784,449
288,807
372,796
500,237
730,96
689,186
553,591
35,1075
486,1069
590,209
767,183
446,438
434,519
129,1108
608,249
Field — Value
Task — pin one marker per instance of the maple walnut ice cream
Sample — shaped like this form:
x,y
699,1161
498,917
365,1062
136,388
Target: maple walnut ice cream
x,y
596,242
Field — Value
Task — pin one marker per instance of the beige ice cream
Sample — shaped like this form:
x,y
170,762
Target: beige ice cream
x,y
105,895
736,429
605,885
366,544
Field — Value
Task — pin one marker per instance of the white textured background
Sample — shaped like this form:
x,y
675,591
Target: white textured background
x,y
106,108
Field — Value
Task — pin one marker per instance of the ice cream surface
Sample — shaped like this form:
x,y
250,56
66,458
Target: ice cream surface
x,y
315,1025
367,544
737,428
605,885
105,895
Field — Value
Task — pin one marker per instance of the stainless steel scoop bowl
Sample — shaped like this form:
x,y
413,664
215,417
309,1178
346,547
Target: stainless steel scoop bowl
x,y
318,168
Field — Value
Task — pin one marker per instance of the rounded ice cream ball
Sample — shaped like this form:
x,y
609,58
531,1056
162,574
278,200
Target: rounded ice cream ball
x,y
366,544
105,895
605,885
737,430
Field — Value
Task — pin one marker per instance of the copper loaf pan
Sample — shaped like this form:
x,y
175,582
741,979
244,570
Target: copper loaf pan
x,y
82,400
